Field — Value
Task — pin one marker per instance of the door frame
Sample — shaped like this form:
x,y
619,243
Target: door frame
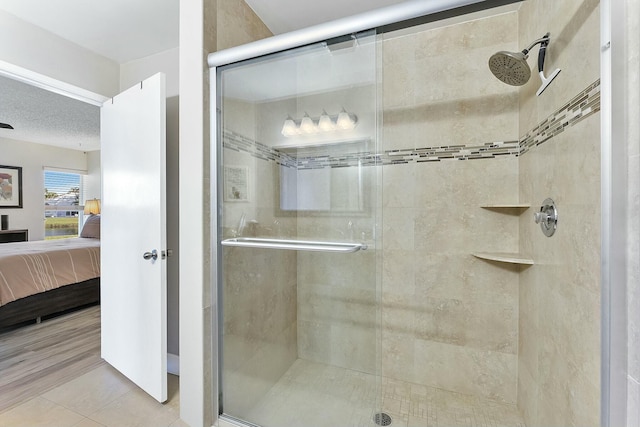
x,y
77,93
52,85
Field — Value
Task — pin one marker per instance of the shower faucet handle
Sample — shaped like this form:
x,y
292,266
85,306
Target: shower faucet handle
x,y
547,217
541,217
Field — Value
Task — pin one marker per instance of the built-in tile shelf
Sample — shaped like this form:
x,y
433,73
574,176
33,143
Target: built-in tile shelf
x,y
520,206
510,258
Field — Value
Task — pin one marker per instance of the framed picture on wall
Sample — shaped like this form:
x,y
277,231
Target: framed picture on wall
x,y
236,184
10,187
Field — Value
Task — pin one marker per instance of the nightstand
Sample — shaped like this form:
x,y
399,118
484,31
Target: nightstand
x,y
10,236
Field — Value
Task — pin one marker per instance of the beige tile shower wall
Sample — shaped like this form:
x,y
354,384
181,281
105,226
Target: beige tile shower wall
x,y
336,292
260,328
219,31
559,329
337,309
450,320
239,24
438,89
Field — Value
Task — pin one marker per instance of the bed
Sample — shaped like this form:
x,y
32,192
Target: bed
x,y
41,278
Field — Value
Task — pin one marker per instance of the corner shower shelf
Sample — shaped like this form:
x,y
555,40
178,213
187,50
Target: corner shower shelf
x,y
523,206
510,258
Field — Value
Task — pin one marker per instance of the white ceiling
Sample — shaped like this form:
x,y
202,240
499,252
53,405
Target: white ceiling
x,y
282,16
124,30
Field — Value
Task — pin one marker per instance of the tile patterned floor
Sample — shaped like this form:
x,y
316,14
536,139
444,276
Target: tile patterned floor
x,y
316,395
308,395
99,398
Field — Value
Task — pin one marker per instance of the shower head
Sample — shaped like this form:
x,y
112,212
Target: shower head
x,y
512,68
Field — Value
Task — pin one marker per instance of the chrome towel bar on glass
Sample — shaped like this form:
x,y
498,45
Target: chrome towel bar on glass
x,y
294,245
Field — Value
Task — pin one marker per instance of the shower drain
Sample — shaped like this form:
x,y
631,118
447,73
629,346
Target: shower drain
x,y
382,419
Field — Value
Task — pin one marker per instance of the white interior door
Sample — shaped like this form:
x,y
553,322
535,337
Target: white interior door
x,y
134,289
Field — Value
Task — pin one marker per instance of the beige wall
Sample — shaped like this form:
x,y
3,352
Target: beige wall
x,y
259,311
449,320
235,24
559,330
336,293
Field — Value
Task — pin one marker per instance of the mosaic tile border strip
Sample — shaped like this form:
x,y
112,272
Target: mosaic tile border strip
x,y
579,108
236,142
487,150
583,105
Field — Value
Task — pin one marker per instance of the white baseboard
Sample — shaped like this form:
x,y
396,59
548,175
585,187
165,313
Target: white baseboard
x,y
173,364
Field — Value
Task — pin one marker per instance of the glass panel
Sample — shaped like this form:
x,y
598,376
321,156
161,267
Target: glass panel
x,y
299,209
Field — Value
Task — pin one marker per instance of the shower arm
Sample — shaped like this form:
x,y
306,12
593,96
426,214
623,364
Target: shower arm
x,y
544,40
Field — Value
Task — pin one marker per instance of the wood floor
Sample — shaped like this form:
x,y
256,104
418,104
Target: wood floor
x,y
40,357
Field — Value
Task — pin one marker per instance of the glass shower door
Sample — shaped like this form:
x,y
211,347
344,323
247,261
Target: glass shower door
x,y
299,279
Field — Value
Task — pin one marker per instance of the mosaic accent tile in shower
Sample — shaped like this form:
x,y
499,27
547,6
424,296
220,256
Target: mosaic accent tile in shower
x,y
487,150
237,142
579,108
342,161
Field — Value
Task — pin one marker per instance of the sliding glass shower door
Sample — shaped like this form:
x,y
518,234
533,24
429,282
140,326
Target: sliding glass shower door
x,y
299,206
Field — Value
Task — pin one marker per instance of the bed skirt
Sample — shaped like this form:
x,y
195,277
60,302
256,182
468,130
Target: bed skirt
x,y
50,302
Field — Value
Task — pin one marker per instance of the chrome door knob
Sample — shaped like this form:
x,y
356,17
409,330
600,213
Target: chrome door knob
x,y
151,255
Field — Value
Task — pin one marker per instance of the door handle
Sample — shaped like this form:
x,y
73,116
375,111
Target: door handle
x,y
151,255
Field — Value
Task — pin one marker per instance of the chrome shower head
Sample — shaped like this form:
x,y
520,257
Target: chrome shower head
x,y
510,67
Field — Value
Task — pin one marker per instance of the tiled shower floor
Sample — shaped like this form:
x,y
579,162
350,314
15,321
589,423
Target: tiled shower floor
x,y
315,395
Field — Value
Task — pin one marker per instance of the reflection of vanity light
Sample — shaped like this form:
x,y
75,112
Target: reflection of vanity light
x,y
289,128
346,120
325,123
307,125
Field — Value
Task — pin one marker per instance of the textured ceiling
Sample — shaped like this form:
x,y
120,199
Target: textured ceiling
x,y
44,117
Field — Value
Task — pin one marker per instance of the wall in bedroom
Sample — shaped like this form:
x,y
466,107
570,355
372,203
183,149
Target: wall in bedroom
x,y
92,180
130,74
33,158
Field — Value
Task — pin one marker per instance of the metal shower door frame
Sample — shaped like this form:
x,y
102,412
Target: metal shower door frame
x,y
405,15
385,19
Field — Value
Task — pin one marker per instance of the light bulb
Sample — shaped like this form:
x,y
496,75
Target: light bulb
x,y
289,128
345,121
307,125
325,123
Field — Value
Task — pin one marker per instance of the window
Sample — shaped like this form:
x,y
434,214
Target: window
x,y
62,208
